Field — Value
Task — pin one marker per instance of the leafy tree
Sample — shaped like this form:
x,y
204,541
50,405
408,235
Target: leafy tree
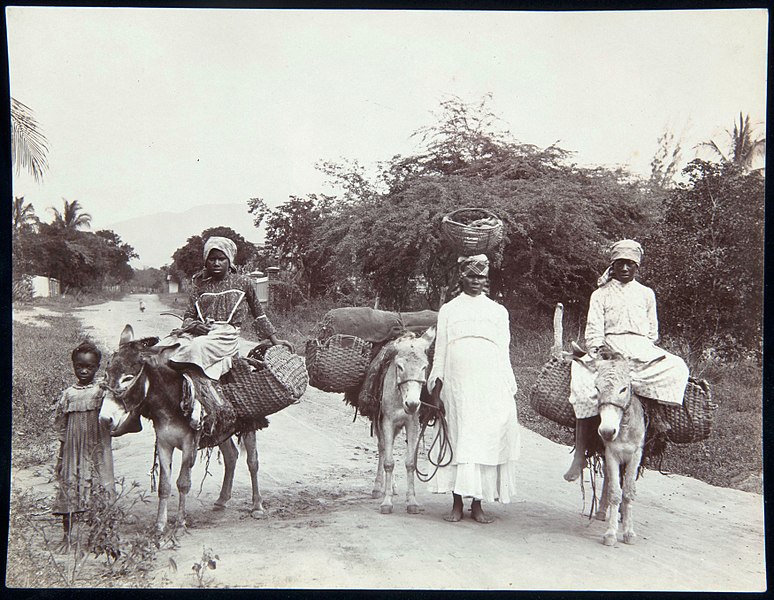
x,y
666,161
743,148
25,223
558,218
78,259
290,232
29,147
72,216
188,259
707,258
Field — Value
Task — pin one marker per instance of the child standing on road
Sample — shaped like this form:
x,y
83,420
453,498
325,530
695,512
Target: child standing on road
x,y
85,461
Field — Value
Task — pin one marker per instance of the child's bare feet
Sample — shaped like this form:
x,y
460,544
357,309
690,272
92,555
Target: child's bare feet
x,y
478,514
456,512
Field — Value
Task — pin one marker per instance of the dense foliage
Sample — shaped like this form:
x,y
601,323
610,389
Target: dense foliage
x,y
707,258
80,260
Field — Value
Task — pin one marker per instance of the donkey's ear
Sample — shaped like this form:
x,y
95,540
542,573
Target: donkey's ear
x,y
127,335
428,336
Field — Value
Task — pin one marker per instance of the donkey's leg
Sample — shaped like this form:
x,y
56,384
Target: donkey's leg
x,y
378,490
165,482
412,435
604,499
187,461
612,479
629,494
251,448
388,435
230,454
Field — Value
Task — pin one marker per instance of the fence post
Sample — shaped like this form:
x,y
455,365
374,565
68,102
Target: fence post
x,y
271,276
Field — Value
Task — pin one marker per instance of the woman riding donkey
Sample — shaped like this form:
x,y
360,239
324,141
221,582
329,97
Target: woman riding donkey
x,y
219,304
472,376
622,317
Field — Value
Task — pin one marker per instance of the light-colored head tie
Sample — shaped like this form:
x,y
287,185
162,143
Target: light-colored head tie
x,y
623,249
225,245
474,265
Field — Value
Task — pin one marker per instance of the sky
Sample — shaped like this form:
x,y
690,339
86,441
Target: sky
x,y
150,110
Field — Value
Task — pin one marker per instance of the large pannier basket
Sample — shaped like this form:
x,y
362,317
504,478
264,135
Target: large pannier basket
x,y
691,422
472,230
279,382
337,363
550,396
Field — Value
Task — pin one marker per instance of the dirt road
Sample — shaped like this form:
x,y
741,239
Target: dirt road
x,y
324,530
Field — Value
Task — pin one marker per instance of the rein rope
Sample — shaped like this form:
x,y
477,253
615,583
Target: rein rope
x,y
444,445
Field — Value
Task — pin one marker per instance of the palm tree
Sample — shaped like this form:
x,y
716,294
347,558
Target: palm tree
x,y
24,217
71,218
744,148
29,147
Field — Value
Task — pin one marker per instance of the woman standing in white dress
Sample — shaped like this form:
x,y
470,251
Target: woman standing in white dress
x,y
473,377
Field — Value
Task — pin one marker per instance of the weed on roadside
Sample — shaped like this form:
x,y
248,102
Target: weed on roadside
x,y
208,561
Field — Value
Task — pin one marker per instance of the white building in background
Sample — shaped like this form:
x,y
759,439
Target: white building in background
x,y
44,287
261,285
172,285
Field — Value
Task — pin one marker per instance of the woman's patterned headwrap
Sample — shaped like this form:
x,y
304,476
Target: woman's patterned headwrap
x,y
225,245
622,249
474,265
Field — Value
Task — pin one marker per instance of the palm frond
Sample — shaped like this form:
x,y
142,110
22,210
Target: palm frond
x,y
29,147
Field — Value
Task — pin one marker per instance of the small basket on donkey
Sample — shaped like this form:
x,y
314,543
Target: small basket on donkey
x,y
472,231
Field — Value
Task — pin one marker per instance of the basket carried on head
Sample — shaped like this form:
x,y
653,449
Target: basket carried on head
x,y
337,363
280,382
691,422
472,230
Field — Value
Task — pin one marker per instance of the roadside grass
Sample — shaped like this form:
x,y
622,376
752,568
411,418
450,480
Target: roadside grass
x,y
41,370
731,457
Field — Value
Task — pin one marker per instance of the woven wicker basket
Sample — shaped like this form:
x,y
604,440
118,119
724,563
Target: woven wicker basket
x,y
469,240
550,396
262,392
337,363
691,422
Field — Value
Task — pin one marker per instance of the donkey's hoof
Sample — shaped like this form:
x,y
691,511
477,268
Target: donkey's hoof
x,y
219,506
630,538
376,494
385,509
412,509
601,515
258,513
609,539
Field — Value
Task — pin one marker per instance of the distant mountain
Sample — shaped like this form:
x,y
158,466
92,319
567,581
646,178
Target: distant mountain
x,y
156,237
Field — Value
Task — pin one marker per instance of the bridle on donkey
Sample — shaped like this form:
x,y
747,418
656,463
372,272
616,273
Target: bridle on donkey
x,y
441,437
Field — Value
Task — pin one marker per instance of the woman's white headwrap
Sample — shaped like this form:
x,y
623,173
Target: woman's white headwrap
x,y
622,249
225,245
